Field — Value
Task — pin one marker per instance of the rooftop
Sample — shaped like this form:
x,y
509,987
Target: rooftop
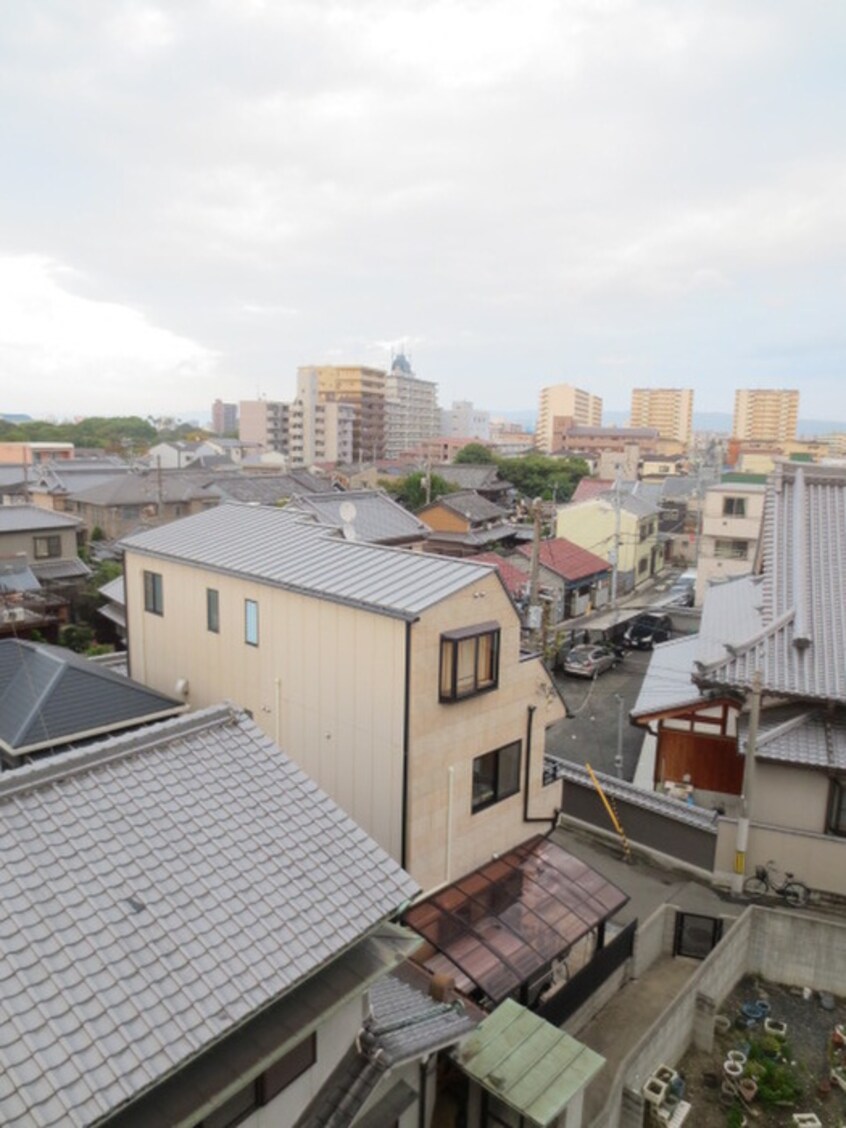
x,y
32,518
567,560
364,515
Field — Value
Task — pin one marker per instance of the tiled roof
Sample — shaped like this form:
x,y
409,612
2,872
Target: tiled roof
x,y
591,487
471,476
515,581
364,515
50,696
799,649
16,575
802,737
266,489
70,569
568,560
147,487
32,518
292,551
469,504
159,890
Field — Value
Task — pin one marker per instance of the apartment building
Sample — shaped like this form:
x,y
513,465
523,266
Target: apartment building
x,y
562,406
412,415
765,415
362,387
395,679
265,422
669,410
465,421
318,430
224,417
731,528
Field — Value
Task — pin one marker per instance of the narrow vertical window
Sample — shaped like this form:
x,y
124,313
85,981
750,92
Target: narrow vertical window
x,y
213,610
251,622
153,593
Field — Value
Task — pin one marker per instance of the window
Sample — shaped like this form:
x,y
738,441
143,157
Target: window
x,y
734,507
265,1087
153,595
251,622
837,808
213,610
731,549
496,775
47,547
469,661
642,565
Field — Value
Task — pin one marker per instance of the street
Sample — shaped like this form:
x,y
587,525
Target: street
x,y
591,734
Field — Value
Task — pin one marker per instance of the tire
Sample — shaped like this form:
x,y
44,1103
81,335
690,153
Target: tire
x,y
754,888
796,894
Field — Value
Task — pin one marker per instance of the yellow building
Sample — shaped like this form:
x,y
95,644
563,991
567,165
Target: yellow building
x,y
364,388
592,525
669,410
562,406
765,415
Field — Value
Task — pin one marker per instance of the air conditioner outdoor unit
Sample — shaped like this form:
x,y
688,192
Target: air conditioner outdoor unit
x,y
14,614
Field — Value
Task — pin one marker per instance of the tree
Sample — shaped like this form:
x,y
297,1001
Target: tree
x,y
536,475
411,490
475,453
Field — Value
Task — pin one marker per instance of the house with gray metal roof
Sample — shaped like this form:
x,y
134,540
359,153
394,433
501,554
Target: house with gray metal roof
x,y
191,928
365,515
140,499
52,699
767,672
396,679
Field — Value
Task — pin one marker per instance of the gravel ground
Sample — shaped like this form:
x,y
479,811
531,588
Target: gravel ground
x,y
809,1027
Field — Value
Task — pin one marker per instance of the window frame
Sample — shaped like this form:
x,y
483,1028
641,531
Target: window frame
x,y
153,592
836,816
251,626
261,1090
505,777
213,610
734,506
52,543
451,645
732,543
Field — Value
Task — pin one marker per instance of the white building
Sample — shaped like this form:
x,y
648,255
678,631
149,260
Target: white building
x,y
464,421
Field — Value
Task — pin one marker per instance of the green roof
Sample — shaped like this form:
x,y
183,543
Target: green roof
x,y
527,1063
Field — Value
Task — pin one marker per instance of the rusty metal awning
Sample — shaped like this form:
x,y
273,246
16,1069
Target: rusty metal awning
x,y
502,924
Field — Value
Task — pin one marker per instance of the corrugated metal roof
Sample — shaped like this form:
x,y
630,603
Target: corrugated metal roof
x,y
159,890
668,683
276,546
527,1063
364,515
800,646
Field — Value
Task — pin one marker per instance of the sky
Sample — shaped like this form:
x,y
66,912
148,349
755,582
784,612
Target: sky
x,y
198,197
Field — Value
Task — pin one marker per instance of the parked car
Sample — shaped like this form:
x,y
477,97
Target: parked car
x,y
647,629
682,593
588,660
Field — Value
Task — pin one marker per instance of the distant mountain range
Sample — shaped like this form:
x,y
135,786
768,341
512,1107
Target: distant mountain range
x,y
718,421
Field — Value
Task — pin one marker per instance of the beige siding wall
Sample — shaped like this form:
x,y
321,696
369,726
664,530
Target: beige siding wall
x,y
326,681
447,838
13,543
790,797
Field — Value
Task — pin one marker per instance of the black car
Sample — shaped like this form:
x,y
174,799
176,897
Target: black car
x,y
646,630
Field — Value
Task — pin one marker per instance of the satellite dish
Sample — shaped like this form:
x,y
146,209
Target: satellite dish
x,y
348,512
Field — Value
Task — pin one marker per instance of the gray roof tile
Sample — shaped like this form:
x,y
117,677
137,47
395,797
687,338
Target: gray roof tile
x,y
32,518
286,548
99,993
364,515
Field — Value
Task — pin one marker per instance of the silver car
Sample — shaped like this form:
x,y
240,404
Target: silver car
x,y
588,660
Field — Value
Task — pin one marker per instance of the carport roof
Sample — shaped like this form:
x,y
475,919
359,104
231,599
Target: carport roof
x,y
507,920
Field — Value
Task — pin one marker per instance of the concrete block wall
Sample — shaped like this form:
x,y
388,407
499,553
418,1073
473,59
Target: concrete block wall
x,y
651,939
798,950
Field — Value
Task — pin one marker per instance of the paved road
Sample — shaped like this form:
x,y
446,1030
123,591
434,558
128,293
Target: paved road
x,y
591,735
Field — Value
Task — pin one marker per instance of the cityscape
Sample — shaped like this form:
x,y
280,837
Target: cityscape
x,y
423,565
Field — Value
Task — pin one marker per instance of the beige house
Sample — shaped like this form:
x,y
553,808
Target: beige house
x,y
394,679
731,526
593,525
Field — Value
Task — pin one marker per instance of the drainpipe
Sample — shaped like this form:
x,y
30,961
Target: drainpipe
x,y
527,775
448,859
277,686
742,840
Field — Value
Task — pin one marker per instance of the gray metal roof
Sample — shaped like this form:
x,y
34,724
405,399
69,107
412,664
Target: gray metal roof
x,y
160,889
286,548
668,683
114,590
50,696
364,515
807,738
32,518
800,646
16,575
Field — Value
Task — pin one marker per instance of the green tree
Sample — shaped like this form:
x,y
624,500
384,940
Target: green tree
x,y
411,490
475,453
537,475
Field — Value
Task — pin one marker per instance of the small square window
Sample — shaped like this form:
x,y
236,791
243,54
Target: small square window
x,y
48,548
213,610
153,593
251,622
496,775
734,506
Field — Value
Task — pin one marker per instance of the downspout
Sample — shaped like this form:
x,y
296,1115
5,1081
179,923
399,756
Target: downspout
x,y
406,726
450,786
530,712
277,692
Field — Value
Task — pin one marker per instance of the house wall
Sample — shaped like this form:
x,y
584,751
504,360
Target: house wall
x,y
447,839
718,526
790,797
326,682
819,860
591,525
444,520
11,544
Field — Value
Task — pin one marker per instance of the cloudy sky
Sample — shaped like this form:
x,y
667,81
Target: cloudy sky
x,y
198,197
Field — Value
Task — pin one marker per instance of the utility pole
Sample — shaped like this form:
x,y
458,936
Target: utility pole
x,y
615,553
742,840
535,623
618,759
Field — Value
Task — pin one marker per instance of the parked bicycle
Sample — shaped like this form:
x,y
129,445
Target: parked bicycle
x,y
766,880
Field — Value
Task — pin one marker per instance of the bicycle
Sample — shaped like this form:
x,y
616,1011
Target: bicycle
x,y
764,881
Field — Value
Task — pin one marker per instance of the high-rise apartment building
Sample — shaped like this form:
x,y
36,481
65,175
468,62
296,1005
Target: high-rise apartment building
x,y
668,410
411,410
562,406
264,422
464,421
318,431
224,417
765,415
364,388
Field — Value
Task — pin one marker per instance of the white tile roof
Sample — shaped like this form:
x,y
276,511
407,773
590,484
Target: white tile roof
x,y
290,550
799,648
158,890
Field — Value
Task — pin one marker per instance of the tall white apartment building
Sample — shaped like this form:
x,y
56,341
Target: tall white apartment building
x,y
765,415
464,421
668,410
411,409
319,431
562,406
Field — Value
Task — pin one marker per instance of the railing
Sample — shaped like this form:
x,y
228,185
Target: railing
x,y
566,1001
